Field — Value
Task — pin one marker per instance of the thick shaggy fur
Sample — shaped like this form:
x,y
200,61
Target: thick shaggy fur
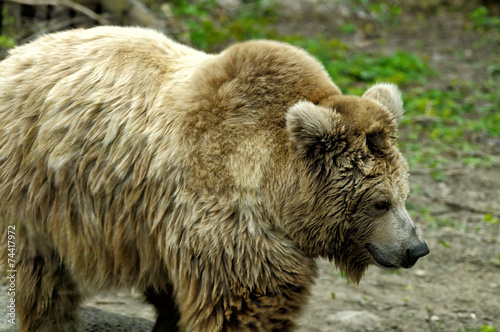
x,y
210,182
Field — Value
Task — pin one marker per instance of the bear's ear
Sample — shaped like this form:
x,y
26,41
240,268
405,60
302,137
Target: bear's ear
x,y
389,97
315,130
378,138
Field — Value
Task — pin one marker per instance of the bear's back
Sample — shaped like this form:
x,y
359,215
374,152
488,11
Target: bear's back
x,y
85,103
87,85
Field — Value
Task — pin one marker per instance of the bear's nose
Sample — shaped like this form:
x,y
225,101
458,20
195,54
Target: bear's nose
x,y
412,255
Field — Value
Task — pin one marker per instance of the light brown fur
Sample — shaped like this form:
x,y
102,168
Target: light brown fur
x,y
130,161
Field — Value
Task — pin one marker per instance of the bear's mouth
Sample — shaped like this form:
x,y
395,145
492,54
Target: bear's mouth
x,y
372,249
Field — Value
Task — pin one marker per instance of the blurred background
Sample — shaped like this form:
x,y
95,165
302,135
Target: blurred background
x,y
444,55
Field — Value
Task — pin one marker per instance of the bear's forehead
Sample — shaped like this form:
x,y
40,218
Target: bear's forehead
x,y
397,174
391,168
358,112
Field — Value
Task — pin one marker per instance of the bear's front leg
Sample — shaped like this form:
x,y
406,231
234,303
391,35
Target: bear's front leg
x,y
266,311
166,309
245,287
244,310
47,297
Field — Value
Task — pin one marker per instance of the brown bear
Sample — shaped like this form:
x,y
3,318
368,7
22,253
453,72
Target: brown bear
x,y
208,182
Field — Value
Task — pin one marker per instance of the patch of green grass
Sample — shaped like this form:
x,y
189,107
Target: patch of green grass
x,y
348,28
449,119
438,223
383,12
210,28
433,222
484,328
354,71
399,68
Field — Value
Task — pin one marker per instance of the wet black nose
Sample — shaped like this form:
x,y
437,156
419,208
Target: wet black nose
x,y
412,255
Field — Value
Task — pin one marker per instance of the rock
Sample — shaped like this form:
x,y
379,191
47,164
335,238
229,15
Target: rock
x,y
354,321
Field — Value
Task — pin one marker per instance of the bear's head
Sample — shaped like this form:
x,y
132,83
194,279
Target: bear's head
x,y
351,202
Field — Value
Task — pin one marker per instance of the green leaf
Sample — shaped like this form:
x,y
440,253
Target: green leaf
x,y
488,328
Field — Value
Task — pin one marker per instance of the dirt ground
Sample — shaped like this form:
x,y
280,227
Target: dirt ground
x,y
457,286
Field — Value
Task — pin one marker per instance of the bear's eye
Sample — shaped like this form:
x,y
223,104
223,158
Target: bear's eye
x,y
383,205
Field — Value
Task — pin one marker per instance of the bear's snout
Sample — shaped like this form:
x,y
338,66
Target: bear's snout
x,y
412,255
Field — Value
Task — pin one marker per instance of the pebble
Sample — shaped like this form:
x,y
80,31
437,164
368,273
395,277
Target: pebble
x,y
420,273
466,315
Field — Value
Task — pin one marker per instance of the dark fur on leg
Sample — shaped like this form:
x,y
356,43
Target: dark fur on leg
x,y
47,298
168,314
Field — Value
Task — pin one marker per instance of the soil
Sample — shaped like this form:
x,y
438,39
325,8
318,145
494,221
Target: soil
x,y
457,286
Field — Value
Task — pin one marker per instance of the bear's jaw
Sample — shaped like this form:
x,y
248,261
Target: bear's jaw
x,y
378,260
406,260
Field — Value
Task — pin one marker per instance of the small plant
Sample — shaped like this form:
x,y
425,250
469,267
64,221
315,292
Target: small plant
x,y
5,43
488,328
395,271
490,219
444,244
383,12
348,28
482,21
495,262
